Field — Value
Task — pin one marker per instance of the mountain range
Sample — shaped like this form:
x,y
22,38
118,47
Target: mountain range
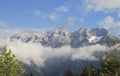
x,y
59,37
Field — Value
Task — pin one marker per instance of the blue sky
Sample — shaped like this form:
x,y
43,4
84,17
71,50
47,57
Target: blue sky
x,y
71,14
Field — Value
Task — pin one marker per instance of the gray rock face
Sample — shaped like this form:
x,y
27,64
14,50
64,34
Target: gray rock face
x,y
60,37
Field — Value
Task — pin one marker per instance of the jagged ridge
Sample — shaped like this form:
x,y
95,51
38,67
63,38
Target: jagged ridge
x,y
59,37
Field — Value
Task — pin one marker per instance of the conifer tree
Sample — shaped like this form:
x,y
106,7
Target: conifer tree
x,y
68,73
9,65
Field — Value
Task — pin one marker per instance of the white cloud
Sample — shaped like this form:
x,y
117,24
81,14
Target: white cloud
x,y
62,9
109,23
9,32
102,5
119,15
3,24
81,20
53,16
87,53
89,7
27,52
48,15
38,13
70,21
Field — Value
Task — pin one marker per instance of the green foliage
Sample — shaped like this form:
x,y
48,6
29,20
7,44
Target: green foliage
x,y
9,65
68,73
89,71
110,65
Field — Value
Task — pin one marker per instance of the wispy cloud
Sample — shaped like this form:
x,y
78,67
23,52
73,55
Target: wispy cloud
x,y
109,23
48,15
53,16
119,15
102,5
9,32
38,13
3,24
81,20
70,21
62,9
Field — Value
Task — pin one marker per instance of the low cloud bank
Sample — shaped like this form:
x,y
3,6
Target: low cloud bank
x,y
27,52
